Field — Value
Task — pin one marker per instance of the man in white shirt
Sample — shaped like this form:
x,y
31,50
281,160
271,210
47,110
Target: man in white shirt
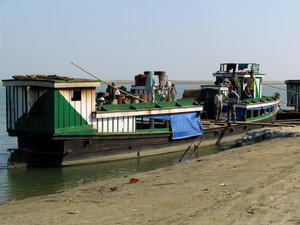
x,y
218,101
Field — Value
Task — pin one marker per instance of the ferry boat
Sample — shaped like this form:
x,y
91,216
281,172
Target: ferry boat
x,y
58,122
260,109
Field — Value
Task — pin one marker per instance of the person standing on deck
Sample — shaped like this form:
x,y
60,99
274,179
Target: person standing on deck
x,y
251,83
235,82
233,98
218,101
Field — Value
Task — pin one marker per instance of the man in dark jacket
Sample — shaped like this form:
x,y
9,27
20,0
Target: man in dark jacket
x,y
235,82
233,98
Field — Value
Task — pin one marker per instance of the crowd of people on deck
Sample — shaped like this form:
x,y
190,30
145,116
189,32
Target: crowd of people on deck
x,y
233,97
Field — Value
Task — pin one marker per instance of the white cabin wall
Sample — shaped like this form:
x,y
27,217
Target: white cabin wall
x,y
16,104
116,124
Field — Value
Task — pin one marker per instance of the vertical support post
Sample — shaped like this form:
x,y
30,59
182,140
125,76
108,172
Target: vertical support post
x,y
113,92
297,99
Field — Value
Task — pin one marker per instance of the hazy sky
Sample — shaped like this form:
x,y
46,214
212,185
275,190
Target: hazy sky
x,y
118,39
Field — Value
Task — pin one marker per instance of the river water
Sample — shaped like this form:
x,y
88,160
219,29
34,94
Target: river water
x,y
23,183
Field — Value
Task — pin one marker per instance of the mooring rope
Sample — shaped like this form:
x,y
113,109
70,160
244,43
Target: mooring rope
x,y
293,92
281,89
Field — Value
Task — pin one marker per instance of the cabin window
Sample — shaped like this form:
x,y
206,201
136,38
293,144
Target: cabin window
x,y
76,95
249,113
256,113
219,81
273,108
146,124
143,123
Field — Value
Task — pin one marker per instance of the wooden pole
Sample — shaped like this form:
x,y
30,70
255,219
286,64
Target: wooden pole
x,y
196,147
290,100
184,153
297,99
108,83
250,123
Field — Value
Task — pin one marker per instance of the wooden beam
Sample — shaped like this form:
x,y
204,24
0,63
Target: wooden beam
x,y
251,123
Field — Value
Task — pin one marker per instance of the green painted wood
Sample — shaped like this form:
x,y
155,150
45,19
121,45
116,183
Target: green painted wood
x,y
59,102
66,112
50,113
73,129
263,99
153,130
67,115
39,118
75,133
260,117
149,105
56,118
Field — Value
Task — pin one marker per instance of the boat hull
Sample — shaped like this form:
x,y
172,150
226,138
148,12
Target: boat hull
x,y
38,150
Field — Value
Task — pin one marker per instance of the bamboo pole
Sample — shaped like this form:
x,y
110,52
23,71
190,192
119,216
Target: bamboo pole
x,y
107,83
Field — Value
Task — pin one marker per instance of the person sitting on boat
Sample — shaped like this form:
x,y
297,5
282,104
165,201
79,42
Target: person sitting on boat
x,y
235,82
246,93
251,83
233,98
218,101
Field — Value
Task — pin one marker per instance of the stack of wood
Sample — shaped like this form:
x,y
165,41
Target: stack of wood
x,y
38,76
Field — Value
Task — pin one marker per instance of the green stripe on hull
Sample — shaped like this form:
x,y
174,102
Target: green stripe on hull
x,y
80,130
261,117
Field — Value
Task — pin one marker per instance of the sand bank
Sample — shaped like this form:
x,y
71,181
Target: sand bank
x,y
253,184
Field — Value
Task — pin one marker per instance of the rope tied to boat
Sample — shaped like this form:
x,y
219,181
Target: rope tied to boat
x,y
293,92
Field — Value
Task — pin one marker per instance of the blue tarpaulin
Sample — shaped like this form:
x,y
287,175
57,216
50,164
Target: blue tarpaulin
x,y
186,125
183,125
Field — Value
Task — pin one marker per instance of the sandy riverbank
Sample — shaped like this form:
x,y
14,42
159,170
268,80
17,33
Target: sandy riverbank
x,y
254,184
